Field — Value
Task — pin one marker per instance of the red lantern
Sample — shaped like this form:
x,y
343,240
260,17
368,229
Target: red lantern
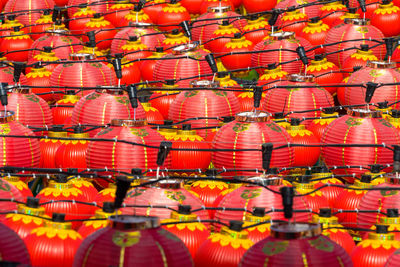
x,y
222,36
153,8
45,57
310,10
298,99
192,6
130,71
359,58
174,39
332,229
167,130
246,99
162,100
27,10
232,56
352,29
134,49
136,15
281,41
192,234
147,66
331,11
28,218
348,130
74,4
393,260
321,176
350,14
53,244
62,110
38,29
87,188
186,61
30,109
12,248
48,148
172,14
20,186
315,32
17,40
141,239
378,72
256,30
259,231
91,226
63,190
296,244
106,195
317,126
225,248
385,18
7,74
152,114
103,29
254,6
118,11
79,19
270,75
292,21
376,249
315,200
203,103
9,24
39,76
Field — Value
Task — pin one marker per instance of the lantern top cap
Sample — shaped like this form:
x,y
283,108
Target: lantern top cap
x,y
249,116
81,56
381,64
204,83
6,116
267,179
301,78
289,231
364,113
218,9
185,48
357,21
282,35
130,222
127,122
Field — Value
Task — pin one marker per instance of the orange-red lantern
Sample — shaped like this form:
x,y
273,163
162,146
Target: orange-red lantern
x,y
254,6
21,186
27,10
315,200
234,54
225,248
315,32
17,40
153,8
103,29
257,29
261,224
53,244
193,234
79,19
40,26
385,18
62,110
359,58
134,49
162,100
140,238
351,13
292,21
7,73
45,57
106,195
48,148
321,176
40,76
117,12
317,126
331,11
174,39
153,116
220,37
87,188
147,66
296,244
172,15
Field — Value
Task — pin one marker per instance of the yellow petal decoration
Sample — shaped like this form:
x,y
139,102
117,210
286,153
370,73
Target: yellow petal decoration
x,y
53,232
181,226
386,244
210,184
26,219
121,6
383,10
228,241
97,224
41,74
176,8
241,44
66,192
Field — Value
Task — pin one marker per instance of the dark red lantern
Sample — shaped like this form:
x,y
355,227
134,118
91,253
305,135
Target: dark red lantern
x,y
292,21
221,37
40,76
79,19
48,148
172,14
225,248
234,56
280,43
331,11
54,243
117,12
141,239
162,100
27,9
12,248
296,244
385,18
315,32
352,29
257,29
62,110
193,234
17,40
203,103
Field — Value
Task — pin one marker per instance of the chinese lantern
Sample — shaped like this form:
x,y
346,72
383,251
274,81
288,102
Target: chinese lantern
x,y
332,229
203,29
260,129
136,15
254,6
359,58
302,5
352,29
166,193
358,127
106,195
246,99
141,238
271,74
350,199
231,188
98,7
153,8
222,36
117,12
153,116
392,220
29,8
376,249
186,61
79,19
129,70
351,13
303,156
225,80
296,244
298,99
281,42
172,14
90,48
251,196
331,11
280,119
393,260
12,248
225,248
60,189
53,244
385,18
134,49
203,103
147,66
256,30
7,73
292,21
315,200
320,177
62,110
370,6
28,217
101,106
233,56
193,234
103,29
167,130
40,76
29,109
48,148
162,100
28,152
19,185
378,72
317,126
17,40
315,32
87,188
40,26
259,231
90,226
44,57
174,39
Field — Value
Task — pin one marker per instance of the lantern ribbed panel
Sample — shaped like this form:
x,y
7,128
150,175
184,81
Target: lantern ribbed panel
x,y
204,103
150,247
151,40
48,151
348,200
62,46
326,73
28,5
163,103
72,154
311,11
40,77
331,193
265,58
256,30
164,197
12,248
93,4
121,156
356,130
250,197
62,115
390,93
344,32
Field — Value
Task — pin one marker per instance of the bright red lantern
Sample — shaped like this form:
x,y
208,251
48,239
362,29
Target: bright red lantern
x,y
62,110
79,19
72,154
73,6
117,12
254,6
392,221
357,59
257,29
310,10
349,14
48,148
259,231
44,57
174,39
393,260
352,29
87,188
331,11
358,127
172,14
17,40
203,103
40,76
296,244
53,244
136,15
322,176
141,239
7,74
19,185
225,248
134,49
317,126
152,114
315,32
192,234
38,29
12,248
232,56
281,42
315,200
292,21
385,18
107,194
222,36
103,29
27,9
162,100
271,74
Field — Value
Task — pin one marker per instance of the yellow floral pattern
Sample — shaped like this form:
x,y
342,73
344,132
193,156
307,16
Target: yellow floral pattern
x,y
243,43
174,8
375,244
386,9
225,240
41,74
210,184
50,233
97,23
318,67
56,192
181,226
26,219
